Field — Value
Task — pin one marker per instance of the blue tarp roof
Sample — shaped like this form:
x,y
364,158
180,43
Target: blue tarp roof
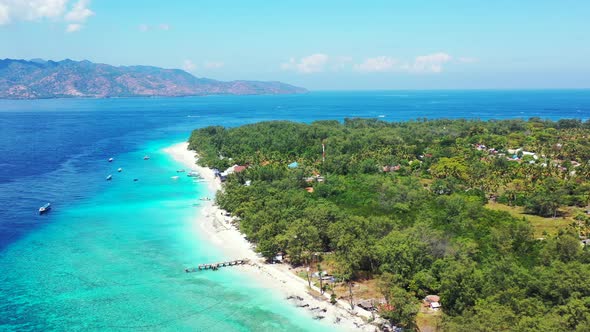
x,y
293,165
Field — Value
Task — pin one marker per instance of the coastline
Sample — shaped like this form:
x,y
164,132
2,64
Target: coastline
x,y
211,221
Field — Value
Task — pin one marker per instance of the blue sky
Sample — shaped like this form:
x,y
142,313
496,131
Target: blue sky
x,y
326,45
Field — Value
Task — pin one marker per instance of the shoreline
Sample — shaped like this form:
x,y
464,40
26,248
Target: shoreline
x,y
211,221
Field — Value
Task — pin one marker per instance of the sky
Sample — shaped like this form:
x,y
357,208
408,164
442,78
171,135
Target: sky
x,y
321,44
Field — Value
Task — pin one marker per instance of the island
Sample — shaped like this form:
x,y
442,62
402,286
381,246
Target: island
x,y
466,225
35,79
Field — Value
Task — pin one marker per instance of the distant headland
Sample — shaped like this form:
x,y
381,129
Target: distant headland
x,y
36,79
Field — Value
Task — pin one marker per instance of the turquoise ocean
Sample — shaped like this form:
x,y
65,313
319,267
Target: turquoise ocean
x,y
110,256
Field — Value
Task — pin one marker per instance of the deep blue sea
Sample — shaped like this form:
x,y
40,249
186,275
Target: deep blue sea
x,y
109,256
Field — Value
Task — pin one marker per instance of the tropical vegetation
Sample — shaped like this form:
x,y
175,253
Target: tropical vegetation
x,y
405,203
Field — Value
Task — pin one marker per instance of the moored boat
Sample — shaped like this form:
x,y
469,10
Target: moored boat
x,y
45,208
193,174
119,169
146,157
111,160
180,171
109,177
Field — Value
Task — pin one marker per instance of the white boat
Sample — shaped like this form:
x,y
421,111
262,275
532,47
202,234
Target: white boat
x,y
109,177
111,160
174,177
119,169
45,208
146,157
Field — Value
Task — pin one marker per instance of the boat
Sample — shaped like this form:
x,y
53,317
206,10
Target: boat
x,y
180,171
146,157
174,177
193,174
119,169
109,177
45,208
135,180
111,160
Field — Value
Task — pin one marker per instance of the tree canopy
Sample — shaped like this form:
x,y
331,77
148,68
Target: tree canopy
x,y
405,203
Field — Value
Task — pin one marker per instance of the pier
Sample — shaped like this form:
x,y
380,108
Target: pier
x,y
216,266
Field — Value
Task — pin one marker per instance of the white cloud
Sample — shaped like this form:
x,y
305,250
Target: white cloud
x,y
377,64
4,14
188,65
30,10
431,63
44,8
339,62
73,27
147,27
79,12
214,64
36,10
467,60
310,64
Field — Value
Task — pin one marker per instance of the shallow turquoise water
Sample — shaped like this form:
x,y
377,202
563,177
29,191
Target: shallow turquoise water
x,y
115,262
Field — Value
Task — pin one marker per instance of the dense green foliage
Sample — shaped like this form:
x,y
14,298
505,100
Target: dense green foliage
x,y
421,227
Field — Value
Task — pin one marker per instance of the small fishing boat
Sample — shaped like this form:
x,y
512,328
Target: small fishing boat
x,y
180,171
174,177
45,208
193,174
109,177
111,160
135,180
146,157
119,169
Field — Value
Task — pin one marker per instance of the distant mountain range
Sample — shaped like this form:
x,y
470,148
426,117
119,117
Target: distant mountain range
x,y
22,79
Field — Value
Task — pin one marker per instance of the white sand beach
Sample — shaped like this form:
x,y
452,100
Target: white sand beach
x,y
278,277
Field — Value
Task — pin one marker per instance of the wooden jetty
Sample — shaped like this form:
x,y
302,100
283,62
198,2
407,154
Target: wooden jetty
x,y
216,266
